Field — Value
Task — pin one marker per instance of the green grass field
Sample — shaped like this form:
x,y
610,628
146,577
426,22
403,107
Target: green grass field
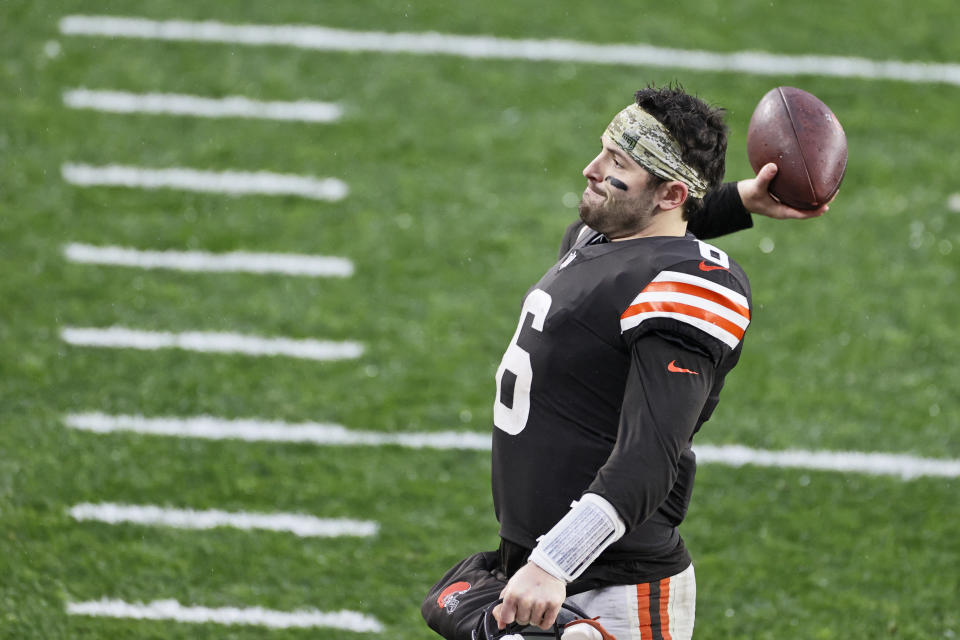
x,y
459,172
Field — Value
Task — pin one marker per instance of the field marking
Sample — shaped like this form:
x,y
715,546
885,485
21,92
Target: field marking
x,y
211,428
185,179
211,342
887,464
235,261
189,105
953,203
152,515
557,50
254,616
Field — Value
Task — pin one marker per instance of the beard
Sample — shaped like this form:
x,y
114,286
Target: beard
x,y
618,216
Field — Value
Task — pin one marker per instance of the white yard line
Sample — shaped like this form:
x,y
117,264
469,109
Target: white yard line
x,y
431,43
887,464
209,427
235,261
151,515
189,105
123,338
229,182
953,203
255,616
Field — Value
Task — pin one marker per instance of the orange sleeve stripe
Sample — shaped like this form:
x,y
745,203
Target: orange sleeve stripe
x,y
687,310
700,292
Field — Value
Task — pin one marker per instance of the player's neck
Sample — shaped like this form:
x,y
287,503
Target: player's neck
x,y
665,223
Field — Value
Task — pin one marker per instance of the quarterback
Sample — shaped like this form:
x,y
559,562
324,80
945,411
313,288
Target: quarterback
x,y
618,359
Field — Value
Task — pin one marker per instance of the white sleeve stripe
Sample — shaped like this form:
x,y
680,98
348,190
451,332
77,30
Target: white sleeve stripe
x,y
676,276
695,301
708,327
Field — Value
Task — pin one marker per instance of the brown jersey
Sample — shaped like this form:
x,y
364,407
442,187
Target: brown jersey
x,y
618,359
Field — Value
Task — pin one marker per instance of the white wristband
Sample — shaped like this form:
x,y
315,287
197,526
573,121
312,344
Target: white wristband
x,y
591,525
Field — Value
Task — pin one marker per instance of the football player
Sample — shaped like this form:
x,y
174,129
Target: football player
x,y
618,359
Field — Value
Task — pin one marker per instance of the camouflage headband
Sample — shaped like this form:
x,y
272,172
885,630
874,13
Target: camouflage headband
x,y
648,142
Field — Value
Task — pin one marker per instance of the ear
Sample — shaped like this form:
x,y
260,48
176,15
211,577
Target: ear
x,y
671,195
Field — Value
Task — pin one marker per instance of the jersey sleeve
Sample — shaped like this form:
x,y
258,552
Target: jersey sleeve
x,y
666,390
704,304
723,212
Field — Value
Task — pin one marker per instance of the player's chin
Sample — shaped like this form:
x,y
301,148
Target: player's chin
x,y
591,207
587,214
598,216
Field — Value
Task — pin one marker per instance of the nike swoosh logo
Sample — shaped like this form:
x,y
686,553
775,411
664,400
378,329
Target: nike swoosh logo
x,y
673,368
711,267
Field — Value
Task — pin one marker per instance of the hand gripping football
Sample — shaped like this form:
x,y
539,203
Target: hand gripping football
x,y
802,136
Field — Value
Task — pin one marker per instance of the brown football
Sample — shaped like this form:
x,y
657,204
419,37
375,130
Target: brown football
x,y
799,133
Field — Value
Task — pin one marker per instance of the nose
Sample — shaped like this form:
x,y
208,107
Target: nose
x,y
593,171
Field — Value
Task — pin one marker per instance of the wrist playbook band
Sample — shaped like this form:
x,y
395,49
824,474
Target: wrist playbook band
x,y
591,525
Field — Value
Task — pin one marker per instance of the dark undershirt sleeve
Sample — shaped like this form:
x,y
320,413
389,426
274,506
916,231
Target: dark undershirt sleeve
x,y
723,213
661,407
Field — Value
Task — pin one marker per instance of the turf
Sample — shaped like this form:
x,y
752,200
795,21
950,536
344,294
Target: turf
x,y
460,173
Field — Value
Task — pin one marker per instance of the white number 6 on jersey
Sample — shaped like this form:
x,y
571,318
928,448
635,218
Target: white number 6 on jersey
x,y
516,365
